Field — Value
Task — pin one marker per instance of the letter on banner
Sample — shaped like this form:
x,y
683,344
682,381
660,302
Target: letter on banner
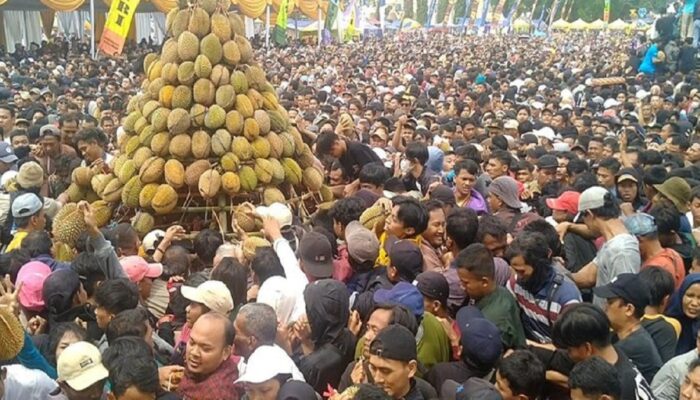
x,y
117,26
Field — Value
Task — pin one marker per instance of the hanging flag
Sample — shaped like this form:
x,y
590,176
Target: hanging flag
x,y
350,30
431,12
467,7
484,13
606,11
498,12
331,15
279,34
476,4
555,8
121,12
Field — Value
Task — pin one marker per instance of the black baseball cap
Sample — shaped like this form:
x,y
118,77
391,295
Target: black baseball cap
x,y
59,289
316,253
394,342
628,287
406,256
547,161
434,286
480,338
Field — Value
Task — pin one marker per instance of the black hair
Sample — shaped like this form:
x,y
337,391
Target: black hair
x,y
609,210
477,259
695,193
659,282
584,181
432,205
655,174
124,235
367,391
492,226
260,321
533,248
503,157
205,245
266,264
468,165
580,324
577,166
69,117
411,213
18,132
325,141
86,265
347,209
541,226
127,323
417,151
176,261
57,332
596,377
90,134
235,276
374,173
524,372
130,362
462,226
610,164
117,295
37,243
667,219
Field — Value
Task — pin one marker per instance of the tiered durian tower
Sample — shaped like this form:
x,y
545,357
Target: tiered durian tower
x,y
206,133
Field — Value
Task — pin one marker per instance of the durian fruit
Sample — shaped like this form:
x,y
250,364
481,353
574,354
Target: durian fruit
x,y
82,176
68,224
209,184
143,223
251,244
11,335
165,199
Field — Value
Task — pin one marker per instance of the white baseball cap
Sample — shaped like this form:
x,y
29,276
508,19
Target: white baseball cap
x,y
265,363
590,199
80,366
213,294
149,241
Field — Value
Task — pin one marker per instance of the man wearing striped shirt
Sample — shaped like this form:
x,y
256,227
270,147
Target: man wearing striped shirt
x,y
540,291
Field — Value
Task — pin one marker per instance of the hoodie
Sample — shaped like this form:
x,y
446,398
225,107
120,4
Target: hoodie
x,y
327,309
689,326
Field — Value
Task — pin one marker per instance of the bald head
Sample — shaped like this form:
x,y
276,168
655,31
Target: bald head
x,y
220,324
210,344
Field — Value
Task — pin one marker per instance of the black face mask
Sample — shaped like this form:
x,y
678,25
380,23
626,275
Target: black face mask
x,y
22,151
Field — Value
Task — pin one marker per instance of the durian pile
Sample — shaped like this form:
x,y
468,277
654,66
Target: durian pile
x,y
207,123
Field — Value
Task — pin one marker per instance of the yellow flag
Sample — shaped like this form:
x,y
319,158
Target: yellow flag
x,y
117,26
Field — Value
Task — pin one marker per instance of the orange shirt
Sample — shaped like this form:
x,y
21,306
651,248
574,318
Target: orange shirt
x,y
669,260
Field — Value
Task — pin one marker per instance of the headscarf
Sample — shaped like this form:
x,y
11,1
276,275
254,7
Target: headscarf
x,y
689,327
296,390
327,308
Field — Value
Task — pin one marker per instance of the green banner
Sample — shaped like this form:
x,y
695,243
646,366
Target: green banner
x,y
279,35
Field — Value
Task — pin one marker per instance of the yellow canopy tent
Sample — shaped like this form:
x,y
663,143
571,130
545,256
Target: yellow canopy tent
x,y
618,25
560,25
521,25
579,25
597,25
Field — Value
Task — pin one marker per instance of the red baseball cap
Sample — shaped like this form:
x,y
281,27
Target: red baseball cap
x,y
567,201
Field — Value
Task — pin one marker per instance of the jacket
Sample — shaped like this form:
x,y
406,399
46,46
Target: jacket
x,y
327,309
667,382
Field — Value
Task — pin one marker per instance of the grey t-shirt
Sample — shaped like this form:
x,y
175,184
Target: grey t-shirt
x,y
618,255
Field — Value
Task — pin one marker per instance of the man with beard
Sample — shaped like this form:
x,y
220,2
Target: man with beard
x,y
535,284
433,237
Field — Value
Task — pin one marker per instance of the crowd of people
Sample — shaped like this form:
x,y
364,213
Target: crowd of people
x,y
513,218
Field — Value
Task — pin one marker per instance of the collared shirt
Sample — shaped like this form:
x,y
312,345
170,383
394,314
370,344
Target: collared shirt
x,y
16,241
431,257
476,202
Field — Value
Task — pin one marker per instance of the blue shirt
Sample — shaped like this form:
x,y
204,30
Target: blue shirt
x,y
647,65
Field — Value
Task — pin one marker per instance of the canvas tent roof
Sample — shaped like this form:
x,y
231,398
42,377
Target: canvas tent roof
x,y
37,5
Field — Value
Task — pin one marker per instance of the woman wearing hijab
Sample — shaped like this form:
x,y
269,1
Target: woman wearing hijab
x,y
685,307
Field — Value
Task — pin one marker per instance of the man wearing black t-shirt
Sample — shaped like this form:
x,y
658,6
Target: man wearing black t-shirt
x,y
351,155
583,331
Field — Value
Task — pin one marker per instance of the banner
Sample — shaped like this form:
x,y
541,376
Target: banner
x,y
606,11
475,7
497,15
553,12
330,18
121,12
484,13
350,30
279,35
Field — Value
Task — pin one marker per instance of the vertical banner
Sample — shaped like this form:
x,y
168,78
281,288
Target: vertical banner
x,y
532,12
330,18
606,11
475,9
467,7
497,15
553,11
279,35
484,14
121,12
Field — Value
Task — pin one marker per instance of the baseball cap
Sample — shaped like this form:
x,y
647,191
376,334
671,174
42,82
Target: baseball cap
x,y
259,367
590,199
506,189
380,133
32,276
402,293
80,366
511,124
7,155
49,130
609,103
59,288
394,342
30,175
136,268
406,256
363,245
317,255
481,339
277,211
628,174
26,205
629,287
213,294
547,161
567,201
152,239
433,285
545,132
640,224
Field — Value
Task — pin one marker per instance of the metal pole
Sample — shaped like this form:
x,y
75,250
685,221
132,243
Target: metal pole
x,y
92,28
267,27
319,25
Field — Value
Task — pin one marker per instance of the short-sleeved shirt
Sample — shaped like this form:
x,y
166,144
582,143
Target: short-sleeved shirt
x,y
502,310
633,384
671,261
664,332
641,350
355,157
618,255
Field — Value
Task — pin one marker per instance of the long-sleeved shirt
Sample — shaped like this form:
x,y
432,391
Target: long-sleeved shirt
x,y
107,258
295,276
667,382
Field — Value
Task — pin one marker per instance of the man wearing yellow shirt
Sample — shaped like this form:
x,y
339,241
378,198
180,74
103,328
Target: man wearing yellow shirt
x,y
28,214
408,220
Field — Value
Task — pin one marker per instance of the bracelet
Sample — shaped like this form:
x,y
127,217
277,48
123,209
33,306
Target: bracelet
x,y
158,249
